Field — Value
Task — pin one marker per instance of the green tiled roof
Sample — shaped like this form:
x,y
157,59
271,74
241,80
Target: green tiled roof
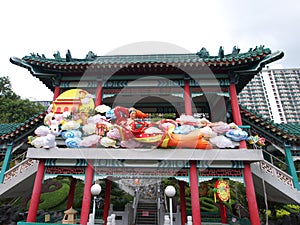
x,y
151,58
9,132
291,128
124,67
8,128
288,131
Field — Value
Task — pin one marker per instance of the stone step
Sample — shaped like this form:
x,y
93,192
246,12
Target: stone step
x,y
146,213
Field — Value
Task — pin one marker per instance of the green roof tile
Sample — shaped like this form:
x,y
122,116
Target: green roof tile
x,y
291,128
11,131
150,58
8,128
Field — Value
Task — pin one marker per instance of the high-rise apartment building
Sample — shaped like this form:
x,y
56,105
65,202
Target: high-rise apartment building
x,y
274,94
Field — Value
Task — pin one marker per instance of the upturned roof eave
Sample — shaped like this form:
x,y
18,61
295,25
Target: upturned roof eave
x,y
267,60
22,63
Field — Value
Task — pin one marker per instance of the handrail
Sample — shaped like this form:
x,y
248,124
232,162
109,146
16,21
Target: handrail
x,y
15,161
135,203
276,162
158,203
276,172
283,165
17,169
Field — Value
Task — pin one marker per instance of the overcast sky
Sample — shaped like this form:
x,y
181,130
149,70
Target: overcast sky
x,y
108,27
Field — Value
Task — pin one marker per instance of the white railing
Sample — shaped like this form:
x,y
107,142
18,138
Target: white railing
x,y
276,172
158,194
18,159
135,203
18,169
276,162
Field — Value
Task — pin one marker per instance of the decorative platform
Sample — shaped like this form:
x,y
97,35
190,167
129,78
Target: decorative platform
x,y
250,155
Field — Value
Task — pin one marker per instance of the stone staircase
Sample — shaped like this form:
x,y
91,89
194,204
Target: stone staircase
x,y
271,181
146,213
18,181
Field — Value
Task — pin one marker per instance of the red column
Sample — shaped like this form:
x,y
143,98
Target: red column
x,y
250,191
182,202
251,197
193,171
36,192
99,94
235,105
195,193
188,111
86,200
71,193
236,114
223,213
56,92
187,98
108,184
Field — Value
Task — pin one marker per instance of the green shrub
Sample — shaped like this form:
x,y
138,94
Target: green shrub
x,y
50,200
292,208
208,205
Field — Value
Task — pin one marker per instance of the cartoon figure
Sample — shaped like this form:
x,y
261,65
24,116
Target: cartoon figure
x,y
163,137
46,135
191,140
126,118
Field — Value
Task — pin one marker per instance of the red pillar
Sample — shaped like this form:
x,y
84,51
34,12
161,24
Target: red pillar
x,y
108,184
251,197
187,98
250,191
56,92
36,192
71,193
236,114
99,94
86,200
195,193
193,169
182,202
235,105
223,213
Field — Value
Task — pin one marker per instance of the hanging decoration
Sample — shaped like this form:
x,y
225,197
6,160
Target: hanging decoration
x,y
256,141
221,191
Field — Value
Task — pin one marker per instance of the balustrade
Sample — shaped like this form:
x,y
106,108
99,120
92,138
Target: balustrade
x,y
18,169
276,172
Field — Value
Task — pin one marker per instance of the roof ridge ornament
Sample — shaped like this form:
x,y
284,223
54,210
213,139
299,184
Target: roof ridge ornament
x,y
56,55
235,51
203,53
68,56
221,52
91,56
37,55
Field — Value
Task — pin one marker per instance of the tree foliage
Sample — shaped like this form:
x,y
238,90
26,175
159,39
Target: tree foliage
x,y
6,89
13,109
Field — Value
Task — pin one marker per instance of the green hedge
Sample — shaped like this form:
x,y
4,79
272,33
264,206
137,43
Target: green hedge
x,y
50,200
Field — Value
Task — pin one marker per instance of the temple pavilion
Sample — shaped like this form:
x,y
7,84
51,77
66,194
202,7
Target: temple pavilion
x,y
194,84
